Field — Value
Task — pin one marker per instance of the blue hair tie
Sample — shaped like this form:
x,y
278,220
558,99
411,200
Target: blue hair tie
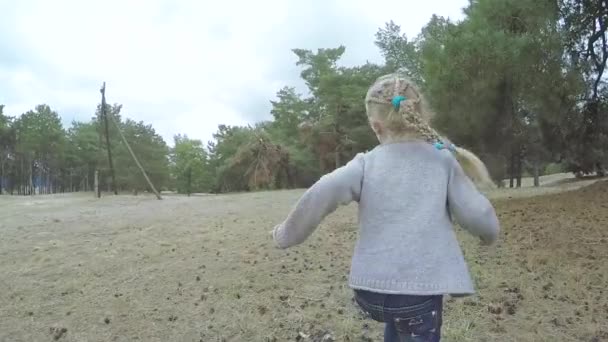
x,y
397,101
440,146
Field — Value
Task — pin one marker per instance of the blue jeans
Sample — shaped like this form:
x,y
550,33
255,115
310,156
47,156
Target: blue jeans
x,y
407,318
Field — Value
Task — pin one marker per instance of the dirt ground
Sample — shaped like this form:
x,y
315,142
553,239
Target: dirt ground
x,y
127,268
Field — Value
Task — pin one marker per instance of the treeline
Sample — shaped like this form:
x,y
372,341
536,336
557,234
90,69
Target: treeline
x,y
520,82
39,156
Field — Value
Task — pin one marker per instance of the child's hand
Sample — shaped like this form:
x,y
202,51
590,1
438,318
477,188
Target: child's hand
x,y
272,233
274,229
486,242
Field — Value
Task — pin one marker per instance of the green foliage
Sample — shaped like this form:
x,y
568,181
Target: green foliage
x,y
585,127
290,113
338,124
39,133
190,166
150,149
514,79
39,144
226,144
81,154
553,168
317,65
7,144
307,136
399,52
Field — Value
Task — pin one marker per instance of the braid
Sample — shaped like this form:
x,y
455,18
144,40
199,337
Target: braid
x,y
409,117
395,102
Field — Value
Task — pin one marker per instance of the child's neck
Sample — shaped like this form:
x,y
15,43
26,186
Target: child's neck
x,y
401,138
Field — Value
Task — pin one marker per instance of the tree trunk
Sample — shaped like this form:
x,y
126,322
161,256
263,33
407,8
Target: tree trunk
x,y
337,158
321,163
511,170
97,193
509,112
519,171
189,182
21,178
1,176
31,180
600,170
337,134
536,173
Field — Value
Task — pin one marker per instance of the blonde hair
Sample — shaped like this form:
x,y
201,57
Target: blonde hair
x,y
410,119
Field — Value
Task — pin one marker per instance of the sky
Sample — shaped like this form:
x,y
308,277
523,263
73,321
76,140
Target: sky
x,y
184,66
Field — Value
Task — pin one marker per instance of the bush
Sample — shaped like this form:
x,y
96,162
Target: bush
x,y
553,168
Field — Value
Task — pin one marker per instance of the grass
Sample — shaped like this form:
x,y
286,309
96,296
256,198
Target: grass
x,y
204,268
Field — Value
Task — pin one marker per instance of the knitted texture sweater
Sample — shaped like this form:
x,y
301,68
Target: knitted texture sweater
x,y
407,193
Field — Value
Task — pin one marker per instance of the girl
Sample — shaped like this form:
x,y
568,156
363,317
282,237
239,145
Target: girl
x,y
408,188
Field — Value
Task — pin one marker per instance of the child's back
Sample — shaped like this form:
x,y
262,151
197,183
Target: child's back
x,y
407,242
407,256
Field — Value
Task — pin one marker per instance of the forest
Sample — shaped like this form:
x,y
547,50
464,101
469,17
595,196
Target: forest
x,y
519,82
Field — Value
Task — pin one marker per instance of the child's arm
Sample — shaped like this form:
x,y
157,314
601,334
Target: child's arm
x,y
472,210
341,186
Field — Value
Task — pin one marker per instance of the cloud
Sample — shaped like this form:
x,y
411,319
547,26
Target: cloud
x,y
183,66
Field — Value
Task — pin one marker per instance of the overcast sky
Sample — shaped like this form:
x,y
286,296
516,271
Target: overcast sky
x,y
184,66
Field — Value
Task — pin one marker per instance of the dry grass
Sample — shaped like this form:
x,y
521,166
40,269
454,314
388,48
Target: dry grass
x,y
545,280
204,269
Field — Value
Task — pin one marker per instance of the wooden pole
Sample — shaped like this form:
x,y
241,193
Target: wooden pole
x,y
104,113
135,159
97,172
